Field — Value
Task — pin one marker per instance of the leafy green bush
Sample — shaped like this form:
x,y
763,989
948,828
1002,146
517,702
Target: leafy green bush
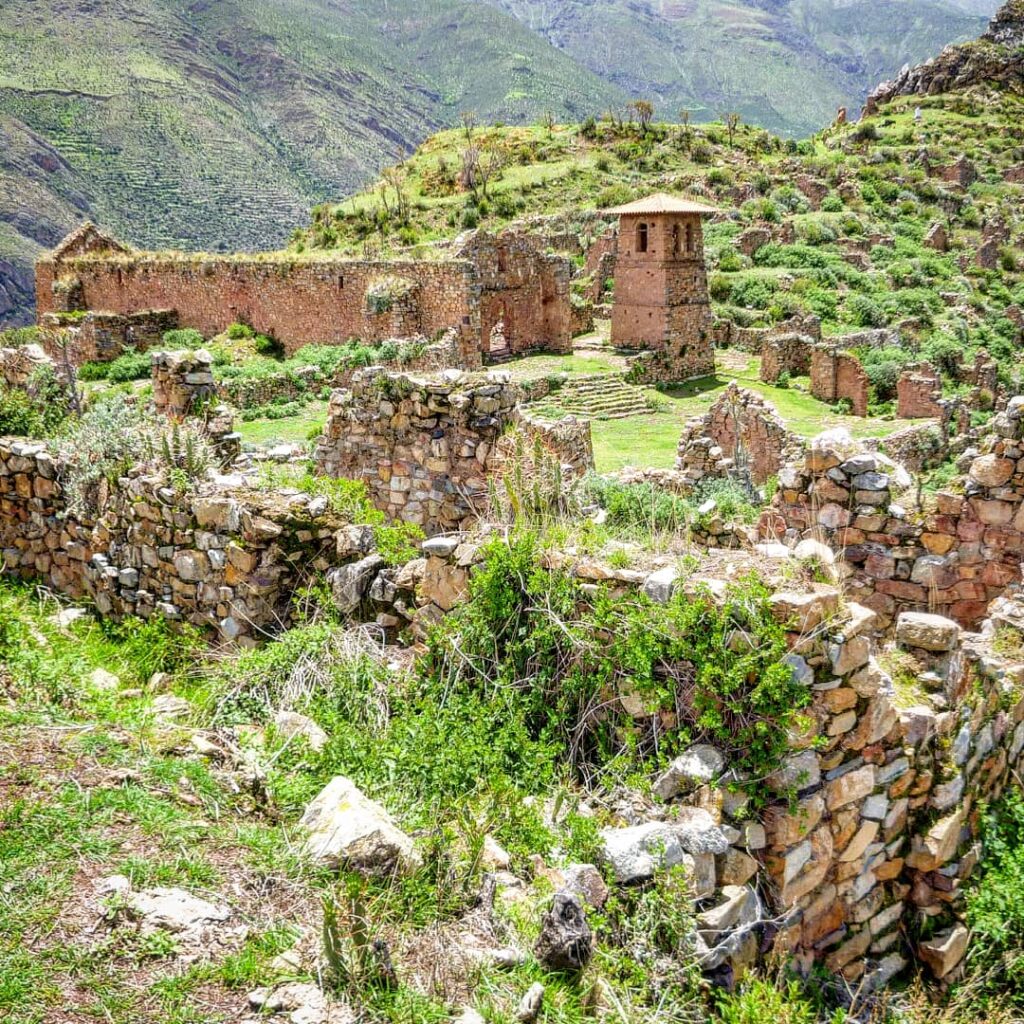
x,y
129,366
36,410
185,337
883,367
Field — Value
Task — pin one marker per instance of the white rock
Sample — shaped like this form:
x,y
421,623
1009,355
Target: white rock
x,y
175,910
696,766
292,725
101,679
344,826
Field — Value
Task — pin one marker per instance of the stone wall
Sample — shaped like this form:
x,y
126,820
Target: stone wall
x,y
785,353
297,301
871,826
919,393
837,375
955,557
523,293
19,365
741,435
226,558
182,382
482,281
427,447
102,337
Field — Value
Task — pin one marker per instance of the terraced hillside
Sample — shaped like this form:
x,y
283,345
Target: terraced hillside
x,y
217,125
903,234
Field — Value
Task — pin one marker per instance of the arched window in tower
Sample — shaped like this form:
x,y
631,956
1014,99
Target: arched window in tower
x,y
689,238
675,239
641,238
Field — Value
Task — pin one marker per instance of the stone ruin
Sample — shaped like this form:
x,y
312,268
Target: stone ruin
x,y
955,560
740,436
426,447
919,393
836,375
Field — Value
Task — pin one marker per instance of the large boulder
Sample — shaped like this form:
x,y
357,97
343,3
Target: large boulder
x,y
351,583
345,827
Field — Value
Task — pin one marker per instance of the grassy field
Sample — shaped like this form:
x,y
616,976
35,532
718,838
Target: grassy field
x,y
290,430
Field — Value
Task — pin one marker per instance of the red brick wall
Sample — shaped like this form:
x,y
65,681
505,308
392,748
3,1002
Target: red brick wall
x,y
298,302
918,392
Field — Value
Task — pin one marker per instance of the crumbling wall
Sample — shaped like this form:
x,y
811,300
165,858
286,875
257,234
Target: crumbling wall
x,y
227,559
427,447
919,393
870,827
785,353
740,435
838,376
523,293
102,337
954,559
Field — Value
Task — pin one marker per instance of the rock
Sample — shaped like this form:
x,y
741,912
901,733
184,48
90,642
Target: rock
x,y
945,951
736,867
351,583
938,845
586,882
851,787
800,771
169,707
698,765
345,827
637,852
738,909
175,910
469,1016
101,679
67,617
493,857
802,612
443,546
292,725
660,585
929,632
565,942
529,1006
992,470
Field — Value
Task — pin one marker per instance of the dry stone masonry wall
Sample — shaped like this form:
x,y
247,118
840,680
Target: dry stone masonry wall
x,y
426,447
955,559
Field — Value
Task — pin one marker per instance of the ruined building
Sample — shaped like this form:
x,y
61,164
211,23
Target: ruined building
x,y
502,294
661,290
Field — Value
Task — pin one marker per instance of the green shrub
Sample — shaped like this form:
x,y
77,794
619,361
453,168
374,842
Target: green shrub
x,y
129,366
185,337
995,906
36,410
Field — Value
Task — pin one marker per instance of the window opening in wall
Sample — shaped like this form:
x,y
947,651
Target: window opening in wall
x,y
641,238
502,261
675,239
689,238
341,282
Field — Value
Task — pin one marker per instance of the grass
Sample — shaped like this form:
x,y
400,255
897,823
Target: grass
x,y
290,430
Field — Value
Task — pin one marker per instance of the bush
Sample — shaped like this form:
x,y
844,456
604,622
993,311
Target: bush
x,y
865,312
186,337
36,410
129,366
883,367
995,905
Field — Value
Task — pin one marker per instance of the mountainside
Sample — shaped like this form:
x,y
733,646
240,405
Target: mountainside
x,y
218,123
783,64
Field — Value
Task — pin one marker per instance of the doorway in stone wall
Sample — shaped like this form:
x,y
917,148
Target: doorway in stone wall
x,y
499,347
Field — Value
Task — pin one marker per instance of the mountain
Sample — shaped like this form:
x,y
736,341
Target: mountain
x,y
217,124
786,65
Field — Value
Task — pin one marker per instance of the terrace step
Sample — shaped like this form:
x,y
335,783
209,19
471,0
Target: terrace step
x,y
600,396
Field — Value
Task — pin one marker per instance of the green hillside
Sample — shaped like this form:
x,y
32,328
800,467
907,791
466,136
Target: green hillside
x,y
784,66
217,125
854,255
